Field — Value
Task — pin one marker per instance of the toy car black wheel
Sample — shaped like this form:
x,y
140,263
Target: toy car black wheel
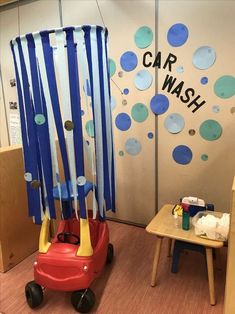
x,y
109,258
33,294
83,300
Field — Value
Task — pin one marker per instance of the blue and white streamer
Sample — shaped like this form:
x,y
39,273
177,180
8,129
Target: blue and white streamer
x,y
48,83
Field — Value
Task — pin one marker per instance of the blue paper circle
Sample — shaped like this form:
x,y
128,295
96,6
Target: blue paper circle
x,y
182,154
133,146
123,121
180,69
128,61
159,104
204,80
174,123
150,135
204,57
87,88
143,80
177,35
125,91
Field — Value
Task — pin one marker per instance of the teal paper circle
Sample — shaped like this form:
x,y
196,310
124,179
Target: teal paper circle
x,y
139,112
143,37
225,86
90,128
210,130
204,157
112,67
39,119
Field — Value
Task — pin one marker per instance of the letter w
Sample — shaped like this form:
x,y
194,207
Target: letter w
x,y
169,82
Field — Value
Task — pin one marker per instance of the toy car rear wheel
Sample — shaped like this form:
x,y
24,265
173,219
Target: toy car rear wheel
x,y
83,300
110,254
33,294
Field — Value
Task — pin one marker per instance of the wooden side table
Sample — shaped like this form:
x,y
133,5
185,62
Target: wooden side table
x,y
162,225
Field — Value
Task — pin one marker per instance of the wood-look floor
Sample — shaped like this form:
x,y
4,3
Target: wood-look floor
x,y
124,286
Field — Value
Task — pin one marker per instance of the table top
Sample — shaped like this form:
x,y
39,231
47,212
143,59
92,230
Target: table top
x,y
163,225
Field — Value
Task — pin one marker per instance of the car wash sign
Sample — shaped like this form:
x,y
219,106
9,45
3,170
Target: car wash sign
x,y
171,84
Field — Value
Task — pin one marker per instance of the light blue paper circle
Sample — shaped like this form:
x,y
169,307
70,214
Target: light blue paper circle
x,y
204,57
133,146
216,108
174,123
128,61
143,37
113,102
87,88
28,176
143,80
182,154
123,121
180,69
177,35
81,180
159,104
90,128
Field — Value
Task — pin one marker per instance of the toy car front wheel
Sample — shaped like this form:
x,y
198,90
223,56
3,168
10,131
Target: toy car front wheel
x,y
83,300
33,294
109,258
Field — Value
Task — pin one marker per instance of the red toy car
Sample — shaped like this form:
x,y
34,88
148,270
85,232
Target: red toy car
x,y
61,265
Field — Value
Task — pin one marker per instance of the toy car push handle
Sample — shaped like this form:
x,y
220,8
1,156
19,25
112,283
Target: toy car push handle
x,y
85,248
44,244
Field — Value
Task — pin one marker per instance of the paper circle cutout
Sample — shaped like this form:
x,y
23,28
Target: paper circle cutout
x,y
69,125
150,135
112,67
39,119
204,57
82,113
182,154
177,35
174,123
232,110
28,176
133,146
216,108
210,130
143,80
90,128
204,80
143,37
124,102
191,132
139,112
225,86
125,91
121,153
128,61
180,69
204,157
123,121
113,102
120,74
159,104
81,180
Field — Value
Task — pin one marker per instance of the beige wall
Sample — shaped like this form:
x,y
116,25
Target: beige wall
x,y
210,23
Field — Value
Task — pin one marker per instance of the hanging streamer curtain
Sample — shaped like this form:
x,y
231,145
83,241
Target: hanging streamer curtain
x,y
51,79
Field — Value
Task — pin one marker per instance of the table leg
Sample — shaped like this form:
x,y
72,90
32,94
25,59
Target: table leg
x,y
169,247
156,260
210,270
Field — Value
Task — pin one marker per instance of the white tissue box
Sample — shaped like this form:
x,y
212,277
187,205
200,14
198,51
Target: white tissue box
x,y
212,225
